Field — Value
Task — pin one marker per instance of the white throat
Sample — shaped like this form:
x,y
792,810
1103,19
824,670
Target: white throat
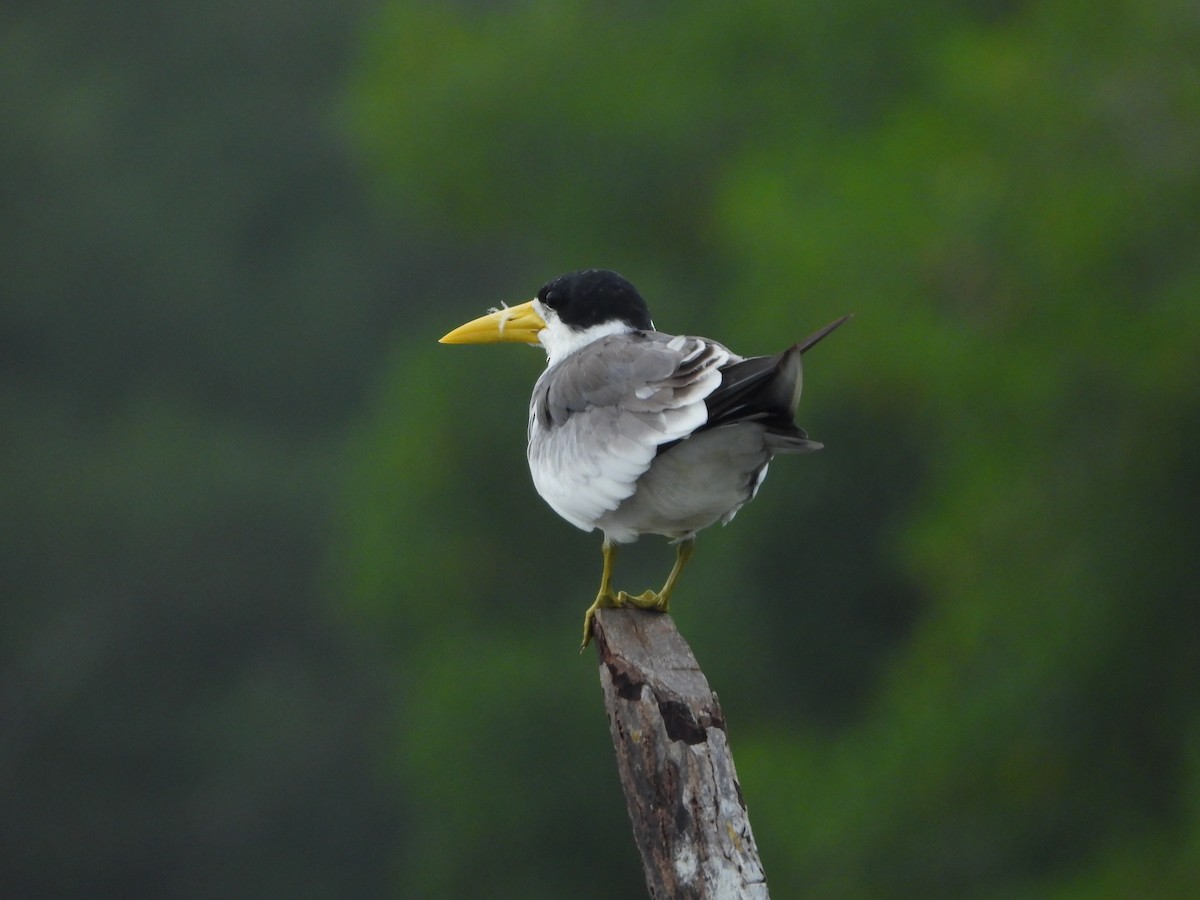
x,y
560,341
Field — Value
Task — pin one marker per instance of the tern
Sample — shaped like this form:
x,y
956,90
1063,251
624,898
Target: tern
x,y
635,432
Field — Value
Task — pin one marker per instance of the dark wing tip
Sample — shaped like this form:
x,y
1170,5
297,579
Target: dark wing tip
x,y
813,339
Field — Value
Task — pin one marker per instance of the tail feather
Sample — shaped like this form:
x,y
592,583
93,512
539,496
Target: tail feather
x,y
764,387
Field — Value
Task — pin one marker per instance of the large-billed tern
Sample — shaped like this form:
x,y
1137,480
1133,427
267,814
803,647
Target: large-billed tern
x,y
635,432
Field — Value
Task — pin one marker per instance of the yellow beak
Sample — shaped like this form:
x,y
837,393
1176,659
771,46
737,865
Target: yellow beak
x,y
513,324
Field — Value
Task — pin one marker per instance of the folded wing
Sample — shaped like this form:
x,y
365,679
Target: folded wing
x,y
599,417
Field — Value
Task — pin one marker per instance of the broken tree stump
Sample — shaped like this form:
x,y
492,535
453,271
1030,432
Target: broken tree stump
x,y
685,802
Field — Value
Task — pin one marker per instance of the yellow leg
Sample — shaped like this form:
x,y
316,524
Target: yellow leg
x,y
605,598
659,601
683,552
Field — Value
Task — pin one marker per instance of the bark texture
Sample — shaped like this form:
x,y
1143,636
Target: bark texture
x,y
685,802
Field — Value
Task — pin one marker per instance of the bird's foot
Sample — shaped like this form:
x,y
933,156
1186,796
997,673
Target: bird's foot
x,y
651,600
604,600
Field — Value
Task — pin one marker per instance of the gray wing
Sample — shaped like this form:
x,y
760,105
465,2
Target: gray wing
x,y
598,417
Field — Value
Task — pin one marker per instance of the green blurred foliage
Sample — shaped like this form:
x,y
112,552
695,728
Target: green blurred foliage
x,y
193,291
957,648
283,615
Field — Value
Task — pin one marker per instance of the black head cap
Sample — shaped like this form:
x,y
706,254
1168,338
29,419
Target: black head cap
x,y
593,296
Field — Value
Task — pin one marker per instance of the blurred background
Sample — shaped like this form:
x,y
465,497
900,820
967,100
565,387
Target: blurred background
x,y
282,613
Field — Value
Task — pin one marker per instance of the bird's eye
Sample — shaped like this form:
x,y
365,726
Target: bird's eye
x,y
553,299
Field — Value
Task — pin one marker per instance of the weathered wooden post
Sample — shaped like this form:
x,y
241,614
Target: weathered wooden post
x,y
685,803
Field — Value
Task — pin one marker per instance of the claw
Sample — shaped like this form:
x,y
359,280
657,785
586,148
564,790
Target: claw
x,y
604,600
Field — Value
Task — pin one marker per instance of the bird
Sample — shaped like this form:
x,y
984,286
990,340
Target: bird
x,y
633,431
